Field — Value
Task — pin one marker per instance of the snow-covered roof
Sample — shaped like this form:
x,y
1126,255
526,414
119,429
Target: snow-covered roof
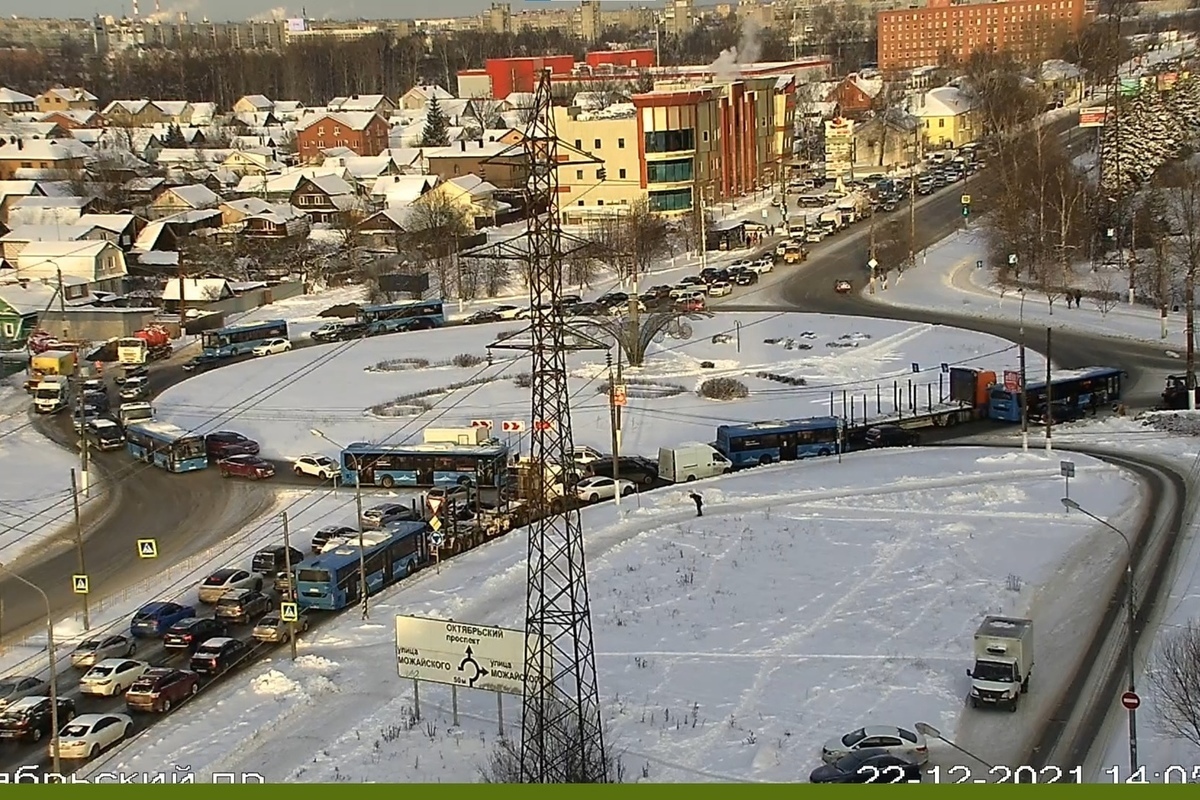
x,y
47,233
149,236
405,156
143,184
429,91
189,155
358,103
198,289
172,108
130,107
35,296
474,185
258,101
158,258
17,189
192,216
73,94
196,195
354,120
361,167
467,147
279,213
1055,69
944,101
400,190
81,116
115,223
13,97
42,251
37,150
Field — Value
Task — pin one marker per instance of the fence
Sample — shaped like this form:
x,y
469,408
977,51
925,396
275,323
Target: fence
x,y
256,298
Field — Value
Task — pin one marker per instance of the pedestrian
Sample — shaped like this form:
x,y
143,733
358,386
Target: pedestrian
x,y
1070,298
699,501
1094,402
1078,297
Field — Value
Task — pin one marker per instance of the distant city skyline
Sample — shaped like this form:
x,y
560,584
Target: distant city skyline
x,y
237,10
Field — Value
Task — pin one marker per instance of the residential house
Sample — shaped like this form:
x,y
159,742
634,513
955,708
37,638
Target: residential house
x,y
255,217
175,112
471,195
24,300
14,102
854,95
183,198
418,97
71,120
17,239
1060,81
886,142
323,197
12,191
156,237
182,159
364,170
369,103
25,158
382,229
203,114
254,104
397,191
63,98
363,132
191,221
35,129
195,292
142,143
408,160
120,229
946,115
133,113
142,191
101,264
288,110
251,162
50,209
495,162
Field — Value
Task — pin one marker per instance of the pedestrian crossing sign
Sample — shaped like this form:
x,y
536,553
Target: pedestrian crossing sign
x,y
79,583
147,548
289,612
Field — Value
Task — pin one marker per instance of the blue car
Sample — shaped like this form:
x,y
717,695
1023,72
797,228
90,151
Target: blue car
x,y
155,619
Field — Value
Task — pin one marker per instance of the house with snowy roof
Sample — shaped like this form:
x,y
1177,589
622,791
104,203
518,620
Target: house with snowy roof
x,y
947,117
14,102
255,217
254,104
365,133
42,156
12,191
371,103
17,239
66,98
71,120
50,209
100,263
418,97
257,161
854,95
396,191
175,199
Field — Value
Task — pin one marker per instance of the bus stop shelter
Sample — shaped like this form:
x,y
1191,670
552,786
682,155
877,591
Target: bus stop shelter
x,y
726,234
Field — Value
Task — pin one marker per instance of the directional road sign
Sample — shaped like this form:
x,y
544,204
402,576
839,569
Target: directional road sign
x,y
147,548
512,426
1131,701
461,654
79,583
481,423
289,612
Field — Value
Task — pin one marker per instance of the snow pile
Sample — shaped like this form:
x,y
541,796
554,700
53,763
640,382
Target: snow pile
x,y
318,664
274,684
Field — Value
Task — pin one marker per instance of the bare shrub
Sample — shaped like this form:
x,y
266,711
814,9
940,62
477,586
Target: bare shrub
x,y
523,381
1175,676
723,389
504,763
466,360
399,365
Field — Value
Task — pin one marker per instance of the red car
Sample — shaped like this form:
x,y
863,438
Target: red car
x,y
222,444
161,688
246,466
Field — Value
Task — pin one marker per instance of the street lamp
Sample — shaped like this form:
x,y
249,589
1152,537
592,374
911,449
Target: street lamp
x,y
925,729
53,665
1131,609
362,551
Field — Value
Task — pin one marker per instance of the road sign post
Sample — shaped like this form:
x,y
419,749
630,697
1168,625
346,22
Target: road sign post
x,y
1067,468
461,654
1131,701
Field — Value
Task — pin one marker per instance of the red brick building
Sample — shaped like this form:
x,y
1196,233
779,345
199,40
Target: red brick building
x,y
364,132
853,95
943,31
620,59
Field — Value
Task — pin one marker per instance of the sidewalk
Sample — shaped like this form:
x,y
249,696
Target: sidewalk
x,y
948,279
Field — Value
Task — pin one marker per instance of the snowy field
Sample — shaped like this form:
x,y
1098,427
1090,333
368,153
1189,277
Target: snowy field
x,y
391,387
35,490
729,647
947,279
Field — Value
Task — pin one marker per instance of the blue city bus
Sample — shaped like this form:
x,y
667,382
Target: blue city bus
x,y
396,317
1073,389
166,446
332,579
238,339
779,440
426,465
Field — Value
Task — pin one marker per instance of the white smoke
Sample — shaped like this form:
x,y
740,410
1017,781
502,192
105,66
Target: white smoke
x,y
728,65
271,15
172,10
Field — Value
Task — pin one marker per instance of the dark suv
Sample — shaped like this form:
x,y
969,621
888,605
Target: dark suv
x,y
189,633
891,436
630,468
242,605
223,444
273,562
217,655
322,536
161,688
30,719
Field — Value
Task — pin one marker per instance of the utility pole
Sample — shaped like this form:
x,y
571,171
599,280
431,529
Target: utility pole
x,y
182,296
87,620
702,225
290,594
1049,394
1024,393
912,199
1189,296
362,550
615,419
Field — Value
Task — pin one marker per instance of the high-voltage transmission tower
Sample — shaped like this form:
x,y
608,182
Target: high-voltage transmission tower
x,y
562,737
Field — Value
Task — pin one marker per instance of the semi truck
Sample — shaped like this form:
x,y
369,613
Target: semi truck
x,y
1003,661
50,363
691,461
149,344
52,394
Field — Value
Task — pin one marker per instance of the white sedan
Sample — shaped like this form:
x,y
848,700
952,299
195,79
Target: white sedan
x,y
598,488
111,677
897,741
720,289
765,264
322,467
88,734
228,579
272,346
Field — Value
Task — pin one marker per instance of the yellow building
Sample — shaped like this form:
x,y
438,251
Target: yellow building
x,y
610,137
946,117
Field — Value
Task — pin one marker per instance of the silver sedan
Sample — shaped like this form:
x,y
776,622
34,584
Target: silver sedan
x,y
896,741
92,651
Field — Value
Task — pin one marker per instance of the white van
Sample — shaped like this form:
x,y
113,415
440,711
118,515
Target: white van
x,y
691,462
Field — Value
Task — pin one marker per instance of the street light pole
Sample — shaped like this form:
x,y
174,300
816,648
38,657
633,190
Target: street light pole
x,y
53,659
1131,612
362,551
925,729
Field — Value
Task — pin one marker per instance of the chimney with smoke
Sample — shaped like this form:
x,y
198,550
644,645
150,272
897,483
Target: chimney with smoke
x,y
728,66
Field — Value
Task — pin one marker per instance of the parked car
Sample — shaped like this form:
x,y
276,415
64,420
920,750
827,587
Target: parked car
x,y
88,734
815,235
322,467
599,487
217,655
745,278
221,581
104,434
154,619
92,651
868,766
246,466
507,312
131,371
272,347
272,562
891,436
720,289
886,738
15,687
242,605
137,388
83,417
583,455
30,719
480,317
188,634
385,514
161,688
843,287
111,677
273,629
634,468
764,262
352,330
223,444
323,535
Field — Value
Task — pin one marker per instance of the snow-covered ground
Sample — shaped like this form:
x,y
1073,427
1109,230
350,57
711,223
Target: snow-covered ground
x,y
729,647
35,479
352,393
948,279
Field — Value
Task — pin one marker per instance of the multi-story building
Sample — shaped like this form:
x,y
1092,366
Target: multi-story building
x,y
499,18
588,21
364,132
679,17
943,31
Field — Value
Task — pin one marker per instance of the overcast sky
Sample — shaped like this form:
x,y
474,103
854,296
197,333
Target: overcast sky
x,y
265,9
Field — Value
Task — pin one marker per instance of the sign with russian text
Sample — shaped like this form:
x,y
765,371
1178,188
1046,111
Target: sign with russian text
x,y
461,654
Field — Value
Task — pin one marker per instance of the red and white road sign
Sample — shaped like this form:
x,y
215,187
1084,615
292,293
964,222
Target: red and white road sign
x,y
542,425
1131,701
620,394
512,426
435,503
481,423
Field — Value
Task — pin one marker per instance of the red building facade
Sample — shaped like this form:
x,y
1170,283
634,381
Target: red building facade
x,y
365,133
508,75
621,59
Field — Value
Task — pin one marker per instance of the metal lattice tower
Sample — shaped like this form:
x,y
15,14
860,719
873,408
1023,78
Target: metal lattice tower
x,y
562,738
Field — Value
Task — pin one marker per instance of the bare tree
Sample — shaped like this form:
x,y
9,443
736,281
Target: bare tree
x,y
1175,676
1105,294
1183,206
436,224
632,242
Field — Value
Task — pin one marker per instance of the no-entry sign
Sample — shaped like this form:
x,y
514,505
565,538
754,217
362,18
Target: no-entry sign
x,y
1131,701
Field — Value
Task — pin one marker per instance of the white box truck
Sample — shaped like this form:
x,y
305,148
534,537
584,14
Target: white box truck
x,y
1003,661
691,462
51,394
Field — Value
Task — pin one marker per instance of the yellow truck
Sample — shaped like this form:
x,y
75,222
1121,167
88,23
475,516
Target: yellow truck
x,y
794,254
50,363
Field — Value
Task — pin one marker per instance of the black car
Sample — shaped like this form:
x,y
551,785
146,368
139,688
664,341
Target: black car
x,y
1062,411
137,371
29,718
188,634
217,655
97,399
630,468
352,330
200,363
745,278
480,317
891,436
322,536
872,765
273,561
242,605
104,434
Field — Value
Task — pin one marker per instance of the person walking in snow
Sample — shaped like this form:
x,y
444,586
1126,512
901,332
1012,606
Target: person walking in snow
x,y
1078,298
699,501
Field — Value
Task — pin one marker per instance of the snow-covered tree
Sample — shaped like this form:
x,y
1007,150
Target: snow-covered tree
x,y
437,127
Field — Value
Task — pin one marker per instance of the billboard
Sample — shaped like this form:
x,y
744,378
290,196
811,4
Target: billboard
x,y
461,654
839,147
410,284
295,25
1093,117
1012,380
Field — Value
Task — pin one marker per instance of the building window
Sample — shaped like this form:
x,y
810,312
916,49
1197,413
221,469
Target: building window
x,y
621,174
620,144
596,146
579,203
578,174
673,200
10,330
704,135
674,171
579,144
670,141
941,122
